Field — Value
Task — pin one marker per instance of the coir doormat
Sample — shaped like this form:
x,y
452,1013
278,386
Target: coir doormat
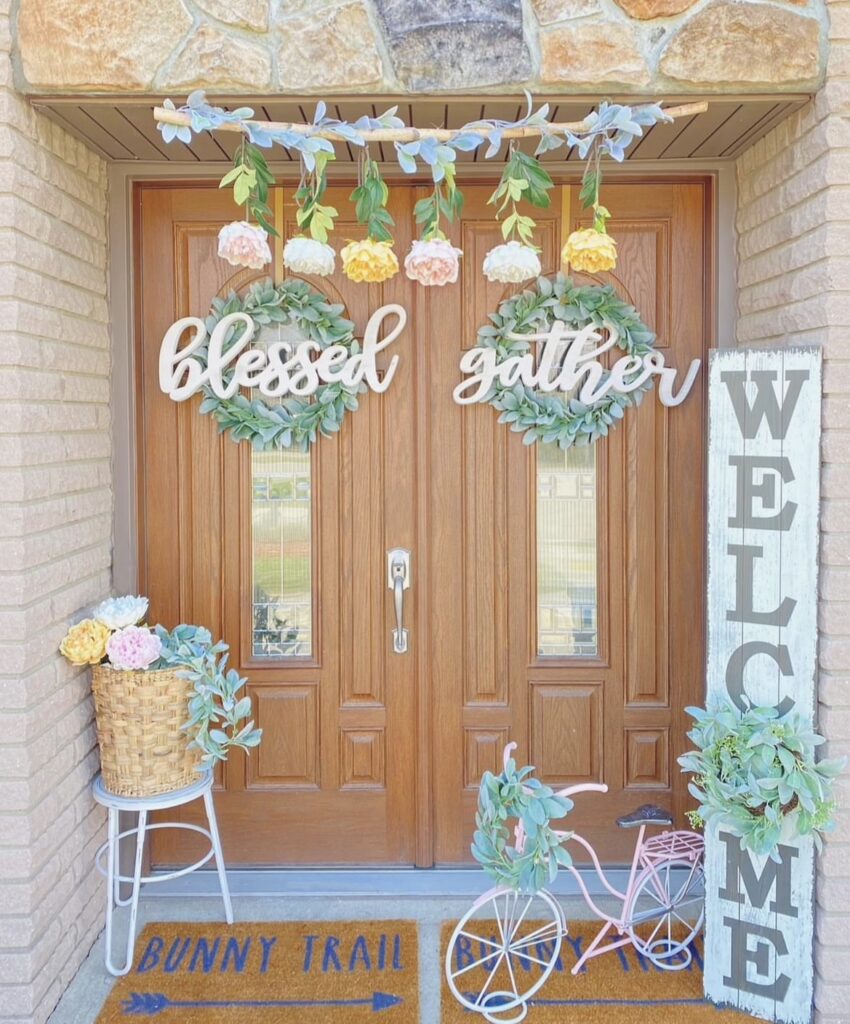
x,y
312,972
620,987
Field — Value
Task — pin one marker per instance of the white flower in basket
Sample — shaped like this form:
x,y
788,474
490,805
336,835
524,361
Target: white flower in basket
x,y
120,612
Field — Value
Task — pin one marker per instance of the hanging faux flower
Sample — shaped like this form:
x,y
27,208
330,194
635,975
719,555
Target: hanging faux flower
x,y
303,255
369,261
310,253
433,261
523,179
512,263
592,249
242,243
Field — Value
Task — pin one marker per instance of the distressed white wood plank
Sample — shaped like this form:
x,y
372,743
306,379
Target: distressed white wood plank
x,y
764,467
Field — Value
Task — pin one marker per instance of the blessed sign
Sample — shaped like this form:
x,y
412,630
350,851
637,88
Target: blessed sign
x,y
763,487
282,368
569,361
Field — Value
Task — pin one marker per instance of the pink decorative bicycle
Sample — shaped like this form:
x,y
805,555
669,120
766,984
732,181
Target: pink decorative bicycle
x,y
508,943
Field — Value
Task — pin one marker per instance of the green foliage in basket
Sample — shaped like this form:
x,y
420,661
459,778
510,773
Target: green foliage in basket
x,y
217,714
753,770
514,797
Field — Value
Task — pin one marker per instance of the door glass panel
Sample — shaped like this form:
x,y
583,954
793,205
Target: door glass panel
x,y
566,551
282,554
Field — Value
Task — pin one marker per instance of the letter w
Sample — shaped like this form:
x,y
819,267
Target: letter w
x,y
765,404
739,868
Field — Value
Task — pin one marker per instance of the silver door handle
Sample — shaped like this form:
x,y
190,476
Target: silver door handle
x,y
398,580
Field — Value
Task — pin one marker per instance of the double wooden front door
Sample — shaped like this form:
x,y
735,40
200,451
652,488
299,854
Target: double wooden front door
x,y
555,598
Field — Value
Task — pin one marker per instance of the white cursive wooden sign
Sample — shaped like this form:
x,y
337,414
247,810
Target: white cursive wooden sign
x,y
280,369
566,363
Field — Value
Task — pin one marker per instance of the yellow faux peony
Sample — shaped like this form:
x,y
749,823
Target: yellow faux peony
x,y
369,261
85,643
590,250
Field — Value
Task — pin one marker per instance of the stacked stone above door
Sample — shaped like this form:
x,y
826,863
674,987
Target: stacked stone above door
x,y
250,47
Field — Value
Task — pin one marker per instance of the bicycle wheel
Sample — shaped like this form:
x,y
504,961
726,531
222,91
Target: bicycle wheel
x,y
660,912
502,950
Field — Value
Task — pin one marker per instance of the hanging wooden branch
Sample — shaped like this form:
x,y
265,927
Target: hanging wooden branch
x,y
433,260
408,133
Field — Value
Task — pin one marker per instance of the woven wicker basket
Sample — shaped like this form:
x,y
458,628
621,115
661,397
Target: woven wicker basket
x,y
142,749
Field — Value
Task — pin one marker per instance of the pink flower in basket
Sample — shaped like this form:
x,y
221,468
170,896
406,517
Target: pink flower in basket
x,y
133,647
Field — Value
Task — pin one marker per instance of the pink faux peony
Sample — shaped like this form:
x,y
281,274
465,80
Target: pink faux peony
x,y
133,647
244,245
435,262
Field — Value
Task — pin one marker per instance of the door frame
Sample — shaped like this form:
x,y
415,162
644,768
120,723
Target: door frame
x,y
123,272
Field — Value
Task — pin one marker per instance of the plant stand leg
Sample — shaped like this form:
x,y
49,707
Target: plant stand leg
x,y
112,883
219,856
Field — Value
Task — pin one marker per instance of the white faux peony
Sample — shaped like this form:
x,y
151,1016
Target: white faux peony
x,y
308,256
511,263
120,612
244,245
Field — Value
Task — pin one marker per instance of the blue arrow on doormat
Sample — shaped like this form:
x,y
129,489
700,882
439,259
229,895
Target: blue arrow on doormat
x,y
151,1004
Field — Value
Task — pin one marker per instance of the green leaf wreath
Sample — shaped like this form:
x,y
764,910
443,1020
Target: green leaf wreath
x,y
549,417
294,422
513,796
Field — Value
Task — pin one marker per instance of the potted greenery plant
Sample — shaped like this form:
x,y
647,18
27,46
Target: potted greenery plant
x,y
755,772
166,705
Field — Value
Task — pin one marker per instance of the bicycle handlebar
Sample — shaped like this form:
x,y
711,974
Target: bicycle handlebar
x,y
582,787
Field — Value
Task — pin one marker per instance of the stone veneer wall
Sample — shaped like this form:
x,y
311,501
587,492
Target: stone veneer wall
x,y
409,46
55,542
793,227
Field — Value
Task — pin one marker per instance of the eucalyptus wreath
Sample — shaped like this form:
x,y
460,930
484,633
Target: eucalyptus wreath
x,y
549,417
514,796
294,422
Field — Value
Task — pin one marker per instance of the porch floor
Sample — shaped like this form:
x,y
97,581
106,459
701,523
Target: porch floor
x,y
87,993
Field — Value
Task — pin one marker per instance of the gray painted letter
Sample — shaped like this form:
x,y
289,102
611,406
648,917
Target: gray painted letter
x,y
765,404
738,662
747,490
741,954
739,868
745,556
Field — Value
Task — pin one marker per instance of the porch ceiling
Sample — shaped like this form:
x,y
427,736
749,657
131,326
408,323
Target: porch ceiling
x,y
123,130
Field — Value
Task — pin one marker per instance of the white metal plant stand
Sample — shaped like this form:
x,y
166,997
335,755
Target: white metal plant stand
x,y
141,806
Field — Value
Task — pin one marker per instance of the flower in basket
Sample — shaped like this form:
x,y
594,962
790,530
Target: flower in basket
x,y
244,245
85,643
511,263
590,251
133,648
433,262
369,261
308,256
118,612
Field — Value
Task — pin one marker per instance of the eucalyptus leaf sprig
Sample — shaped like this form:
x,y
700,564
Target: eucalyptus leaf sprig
x,y
251,179
524,179
370,199
312,215
217,713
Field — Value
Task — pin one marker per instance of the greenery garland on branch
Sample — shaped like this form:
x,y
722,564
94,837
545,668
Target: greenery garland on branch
x,y
549,417
295,422
513,796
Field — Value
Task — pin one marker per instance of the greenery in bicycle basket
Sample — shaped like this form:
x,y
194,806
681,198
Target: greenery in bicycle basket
x,y
549,417
512,797
294,422
755,773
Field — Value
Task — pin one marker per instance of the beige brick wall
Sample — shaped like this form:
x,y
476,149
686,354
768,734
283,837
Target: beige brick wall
x,y
55,542
793,227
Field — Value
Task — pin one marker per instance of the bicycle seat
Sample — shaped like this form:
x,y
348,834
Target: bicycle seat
x,y
646,814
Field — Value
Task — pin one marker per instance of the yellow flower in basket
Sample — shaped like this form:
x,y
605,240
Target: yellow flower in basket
x,y
590,251
369,261
85,643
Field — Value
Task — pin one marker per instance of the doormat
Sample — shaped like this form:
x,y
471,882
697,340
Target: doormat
x,y
276,972
616,988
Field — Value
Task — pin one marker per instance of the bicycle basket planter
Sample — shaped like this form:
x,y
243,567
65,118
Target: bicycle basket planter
x,y
140,715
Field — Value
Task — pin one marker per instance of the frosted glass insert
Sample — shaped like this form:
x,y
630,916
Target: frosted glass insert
x,y
566,552
282,555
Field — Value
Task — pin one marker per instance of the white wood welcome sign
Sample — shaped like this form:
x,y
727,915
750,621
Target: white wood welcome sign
x,y
763,495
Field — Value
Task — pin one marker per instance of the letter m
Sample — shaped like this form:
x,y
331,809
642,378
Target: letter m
x,y
765,405
774,877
